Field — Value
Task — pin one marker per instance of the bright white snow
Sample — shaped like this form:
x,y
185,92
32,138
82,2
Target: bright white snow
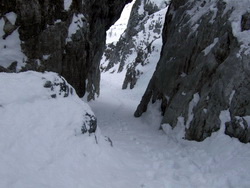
x,y
41,144
143,40
76,24
10,49
67,4
115,31
166,160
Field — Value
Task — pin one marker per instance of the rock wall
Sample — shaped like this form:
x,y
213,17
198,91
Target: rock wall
x,y
140,43
203,74
67,37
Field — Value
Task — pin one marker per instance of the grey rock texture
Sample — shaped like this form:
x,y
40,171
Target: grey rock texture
x,y
203,70
138,42
50,45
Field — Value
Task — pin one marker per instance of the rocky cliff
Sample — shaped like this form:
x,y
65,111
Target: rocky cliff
x,y
202,77
67,37
140,43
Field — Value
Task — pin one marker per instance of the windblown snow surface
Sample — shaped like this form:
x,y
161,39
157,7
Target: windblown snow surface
x,y
41,144
165,160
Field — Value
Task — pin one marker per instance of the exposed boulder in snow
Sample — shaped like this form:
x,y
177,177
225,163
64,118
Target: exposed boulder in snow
x,y
140,43
63,36
46,96
203,69
245,21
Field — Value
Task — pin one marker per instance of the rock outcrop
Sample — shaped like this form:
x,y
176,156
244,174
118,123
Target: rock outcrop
x,y
67,37
140,43
204,71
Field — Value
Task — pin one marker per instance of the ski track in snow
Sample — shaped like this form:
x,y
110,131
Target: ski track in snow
x,y
160,160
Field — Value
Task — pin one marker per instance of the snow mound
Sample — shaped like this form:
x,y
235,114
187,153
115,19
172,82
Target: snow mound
x,y
41,131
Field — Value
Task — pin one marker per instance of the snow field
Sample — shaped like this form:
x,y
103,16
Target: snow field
x,y
41,144
165,160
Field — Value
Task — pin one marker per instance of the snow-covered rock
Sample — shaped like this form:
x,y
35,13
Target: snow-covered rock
x,y
42,101
206,53
70,34
41,142
116,30
138,48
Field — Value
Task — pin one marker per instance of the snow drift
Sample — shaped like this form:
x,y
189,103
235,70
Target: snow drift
x,y
42,121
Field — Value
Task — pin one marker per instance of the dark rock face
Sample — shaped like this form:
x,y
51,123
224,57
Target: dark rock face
x,y
138,43
245,22
203,71
69,41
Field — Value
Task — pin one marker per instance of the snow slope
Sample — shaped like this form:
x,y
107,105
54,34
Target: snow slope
x,y
41,144
137,53
115,31
166,160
